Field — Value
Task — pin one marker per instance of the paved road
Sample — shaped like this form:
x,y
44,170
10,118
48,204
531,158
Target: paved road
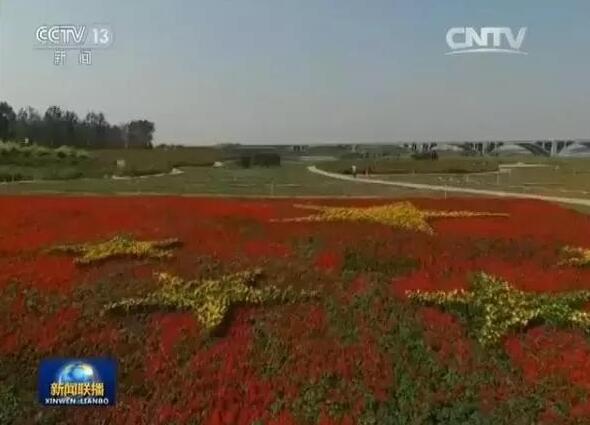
x,y
453,189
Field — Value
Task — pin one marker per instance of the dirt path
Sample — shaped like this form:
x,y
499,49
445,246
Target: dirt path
x,y
453,189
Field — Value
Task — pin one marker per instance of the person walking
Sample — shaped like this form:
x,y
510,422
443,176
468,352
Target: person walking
x,y
354,170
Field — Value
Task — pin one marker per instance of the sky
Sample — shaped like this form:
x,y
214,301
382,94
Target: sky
x,y
309,71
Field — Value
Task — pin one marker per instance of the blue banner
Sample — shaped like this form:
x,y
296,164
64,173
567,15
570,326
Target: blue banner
x,y
78,382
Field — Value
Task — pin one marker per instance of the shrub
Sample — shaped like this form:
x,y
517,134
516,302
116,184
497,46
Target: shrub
x,y
17,154
351,155
81,154
65,174
260,160
12,177
136,172
267,159
360,261
8,148
65,152
432,155
9,404
246,161
41,151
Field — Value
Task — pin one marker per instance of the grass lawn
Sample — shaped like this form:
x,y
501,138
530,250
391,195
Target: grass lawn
x,y
287,180
152,161
552,177
24,163
567,178
412,166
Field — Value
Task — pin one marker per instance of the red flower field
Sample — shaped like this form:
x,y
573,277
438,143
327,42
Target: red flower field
x,y
357,351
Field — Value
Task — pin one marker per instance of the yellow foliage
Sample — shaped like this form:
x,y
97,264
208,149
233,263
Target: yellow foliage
x,y
211,299
401,214
492,307
575,256
119,246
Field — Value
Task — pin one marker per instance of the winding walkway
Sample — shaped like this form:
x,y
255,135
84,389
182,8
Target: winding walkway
x,y
452,189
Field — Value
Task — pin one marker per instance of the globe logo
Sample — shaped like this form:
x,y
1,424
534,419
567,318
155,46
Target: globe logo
x,y
77,373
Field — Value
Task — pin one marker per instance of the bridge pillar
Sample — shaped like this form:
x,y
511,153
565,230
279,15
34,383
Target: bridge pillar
x,y
547,146
563,144
493,146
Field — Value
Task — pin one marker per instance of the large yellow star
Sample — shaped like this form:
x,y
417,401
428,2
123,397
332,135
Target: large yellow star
x,y
493,308
119,246
401,214
211,299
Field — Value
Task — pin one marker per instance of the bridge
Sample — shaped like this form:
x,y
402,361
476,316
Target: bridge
x,y
536,147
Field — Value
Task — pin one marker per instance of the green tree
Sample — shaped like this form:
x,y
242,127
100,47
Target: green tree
x,y
54,126
7,121
29,125
140,134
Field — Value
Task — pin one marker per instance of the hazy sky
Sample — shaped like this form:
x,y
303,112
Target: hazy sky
x,y
278,71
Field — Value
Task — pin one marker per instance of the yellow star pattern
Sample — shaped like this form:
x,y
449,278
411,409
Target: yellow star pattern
x,y
493,308
575,256
210,300
119,246
403,215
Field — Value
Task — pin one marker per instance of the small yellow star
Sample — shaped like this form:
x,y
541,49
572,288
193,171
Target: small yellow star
x,y
210,300
493,308
401,214
119,246
575,256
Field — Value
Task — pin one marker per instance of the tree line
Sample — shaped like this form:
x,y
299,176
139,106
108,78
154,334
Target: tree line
x,y
60,127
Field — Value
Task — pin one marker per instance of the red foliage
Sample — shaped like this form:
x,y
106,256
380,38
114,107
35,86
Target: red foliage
x,y
544,353
46,273
264,249
446,337
328,261
44,334
219,382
